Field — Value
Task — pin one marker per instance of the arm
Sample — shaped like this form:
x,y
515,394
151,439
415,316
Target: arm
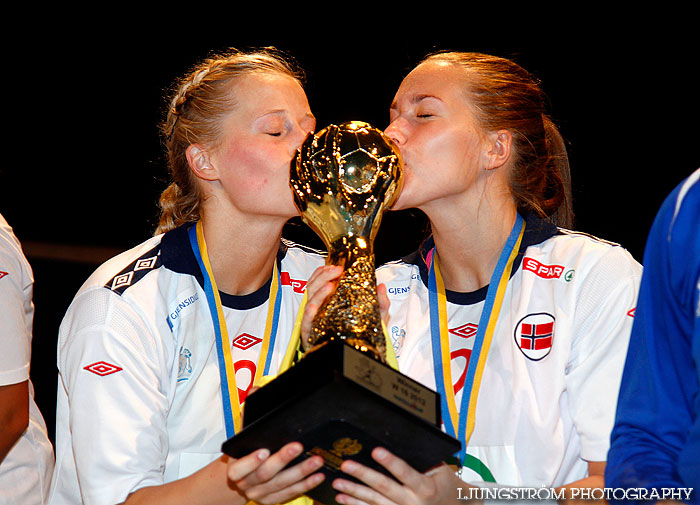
x,y
125,414
14,415
16,311
660,382
595,480
601,325
258,476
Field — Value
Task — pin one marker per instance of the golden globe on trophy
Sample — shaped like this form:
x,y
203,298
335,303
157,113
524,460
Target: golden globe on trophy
x,y
343,399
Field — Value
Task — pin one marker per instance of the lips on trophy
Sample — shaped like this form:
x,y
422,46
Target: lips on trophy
x,y
342,398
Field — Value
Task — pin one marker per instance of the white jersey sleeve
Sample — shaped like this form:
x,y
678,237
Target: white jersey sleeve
x,y
118,402
603,317
25,472
16,283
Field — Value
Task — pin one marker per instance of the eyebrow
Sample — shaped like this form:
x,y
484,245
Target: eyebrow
x,y
415,99
284,111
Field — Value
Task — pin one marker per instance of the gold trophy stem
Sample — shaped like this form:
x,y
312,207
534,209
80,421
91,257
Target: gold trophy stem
x,y
351,313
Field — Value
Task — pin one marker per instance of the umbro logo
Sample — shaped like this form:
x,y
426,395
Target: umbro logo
x,y
135,271
123,280
465,331
102,368
245,341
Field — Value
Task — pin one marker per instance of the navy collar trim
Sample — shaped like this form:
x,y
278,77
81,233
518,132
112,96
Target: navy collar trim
x,y
177,255
536,232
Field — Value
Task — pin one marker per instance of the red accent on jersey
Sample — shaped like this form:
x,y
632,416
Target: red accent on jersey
x,y
2,274
248,365
102,368
298,285
632,312
465,331
461,353
245,341
542,270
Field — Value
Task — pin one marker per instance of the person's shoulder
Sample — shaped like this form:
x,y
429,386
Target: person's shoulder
x,y
587,252
685,202
125,269
12,259
398,272
301,255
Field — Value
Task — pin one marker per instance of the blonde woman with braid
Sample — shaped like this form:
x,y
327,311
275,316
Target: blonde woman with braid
x,y
520,324
161,345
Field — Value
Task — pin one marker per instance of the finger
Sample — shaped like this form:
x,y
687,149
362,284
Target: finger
x,y
322,275
352,493
289,483
319,287
237,469
384,303
271,466
320,280
403,472
382,486
307,319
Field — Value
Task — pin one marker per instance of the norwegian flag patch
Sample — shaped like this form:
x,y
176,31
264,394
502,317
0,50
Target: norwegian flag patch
x,y
534,335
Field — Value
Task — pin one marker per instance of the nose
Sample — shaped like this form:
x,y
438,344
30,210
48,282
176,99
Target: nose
x,y
298,138
395,132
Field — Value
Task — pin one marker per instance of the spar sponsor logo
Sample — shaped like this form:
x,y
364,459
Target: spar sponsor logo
x,y
534,335
298,285
547,271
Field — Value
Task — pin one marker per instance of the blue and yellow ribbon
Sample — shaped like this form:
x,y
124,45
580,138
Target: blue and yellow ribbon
x,y
229,392
460,423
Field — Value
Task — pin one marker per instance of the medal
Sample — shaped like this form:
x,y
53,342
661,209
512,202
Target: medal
x,y
460,423
229,391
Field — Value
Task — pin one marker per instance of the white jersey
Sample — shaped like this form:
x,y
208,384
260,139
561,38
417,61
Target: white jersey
x,y
549,388
139,397
25,472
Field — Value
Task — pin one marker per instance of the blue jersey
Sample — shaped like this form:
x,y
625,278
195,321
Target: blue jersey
x,y
656,439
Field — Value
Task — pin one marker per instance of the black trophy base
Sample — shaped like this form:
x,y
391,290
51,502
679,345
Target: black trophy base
x,y
340,404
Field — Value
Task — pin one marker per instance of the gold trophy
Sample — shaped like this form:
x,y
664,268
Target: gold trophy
x,y
343,179
342,399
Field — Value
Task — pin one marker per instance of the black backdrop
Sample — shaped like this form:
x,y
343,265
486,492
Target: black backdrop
x,y
84,100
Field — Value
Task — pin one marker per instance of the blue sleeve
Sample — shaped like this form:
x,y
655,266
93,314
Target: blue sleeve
x,y
655,442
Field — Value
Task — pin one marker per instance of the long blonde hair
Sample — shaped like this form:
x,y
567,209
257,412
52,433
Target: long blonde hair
x,y
506,96
196,110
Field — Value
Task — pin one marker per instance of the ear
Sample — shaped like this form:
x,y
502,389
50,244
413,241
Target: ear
x,y
498,148
200,163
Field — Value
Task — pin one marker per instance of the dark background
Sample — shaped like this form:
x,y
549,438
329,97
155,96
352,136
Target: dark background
x,y
83,101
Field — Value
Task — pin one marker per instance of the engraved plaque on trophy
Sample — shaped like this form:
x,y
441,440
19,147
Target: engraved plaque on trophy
x,y
342,399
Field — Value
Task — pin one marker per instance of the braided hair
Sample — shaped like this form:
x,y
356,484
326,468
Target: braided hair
x,y
196,111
